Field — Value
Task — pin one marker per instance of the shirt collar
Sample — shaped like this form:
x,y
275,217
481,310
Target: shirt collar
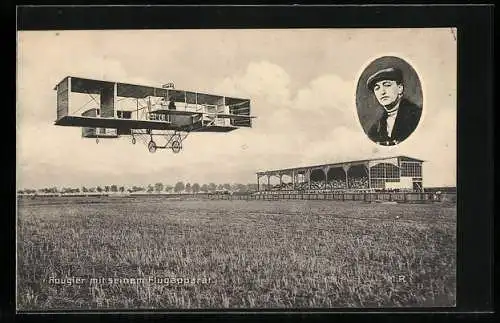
x,y
394,110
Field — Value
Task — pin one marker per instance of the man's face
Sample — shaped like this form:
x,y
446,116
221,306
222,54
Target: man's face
x,y
388,92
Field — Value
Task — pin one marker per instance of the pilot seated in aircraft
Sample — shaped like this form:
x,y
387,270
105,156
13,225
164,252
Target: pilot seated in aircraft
x,y
171,105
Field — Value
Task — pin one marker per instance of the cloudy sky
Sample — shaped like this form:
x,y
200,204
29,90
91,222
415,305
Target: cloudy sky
x,y
302,84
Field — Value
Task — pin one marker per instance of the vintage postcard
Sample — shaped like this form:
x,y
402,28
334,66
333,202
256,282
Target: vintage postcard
x,y
236,169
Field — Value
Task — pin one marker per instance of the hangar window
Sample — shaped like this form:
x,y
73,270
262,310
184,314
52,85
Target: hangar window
x,y
384,170
411,169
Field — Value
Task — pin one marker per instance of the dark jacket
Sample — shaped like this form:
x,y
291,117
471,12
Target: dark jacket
x,y
406,121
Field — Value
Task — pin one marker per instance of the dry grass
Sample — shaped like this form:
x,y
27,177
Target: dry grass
x,y
257,254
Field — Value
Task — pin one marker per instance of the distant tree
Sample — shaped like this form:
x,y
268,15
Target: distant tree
x,y
188,188
20,191
179,187
252,187
84,189
114,188
196,188
99,189
150,188
212,187
158,187
77,190
136,189
121,189
226,186
169,188
240,188
106,188
220,187
92,189
204,188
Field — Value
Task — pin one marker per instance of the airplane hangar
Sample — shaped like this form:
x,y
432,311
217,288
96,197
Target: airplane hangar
x,y
401,173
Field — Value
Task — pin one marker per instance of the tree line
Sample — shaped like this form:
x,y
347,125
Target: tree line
x,y
179,187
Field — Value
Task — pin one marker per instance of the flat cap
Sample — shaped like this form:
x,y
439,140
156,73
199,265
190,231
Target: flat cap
x,y
391,73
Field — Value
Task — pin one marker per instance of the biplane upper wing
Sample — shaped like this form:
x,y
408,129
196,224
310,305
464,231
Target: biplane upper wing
x,y
92,86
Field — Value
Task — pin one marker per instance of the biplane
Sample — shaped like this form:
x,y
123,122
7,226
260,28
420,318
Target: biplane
x,y
105,109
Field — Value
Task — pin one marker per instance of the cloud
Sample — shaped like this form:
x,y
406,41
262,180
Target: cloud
x,y
324,103
267,84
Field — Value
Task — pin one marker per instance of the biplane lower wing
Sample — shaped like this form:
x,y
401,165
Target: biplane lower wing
x,y
96,122
232,116
215,129
128,124
194,113
176,112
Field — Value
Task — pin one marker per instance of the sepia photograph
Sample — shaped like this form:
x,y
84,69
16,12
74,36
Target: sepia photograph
x,y
227,169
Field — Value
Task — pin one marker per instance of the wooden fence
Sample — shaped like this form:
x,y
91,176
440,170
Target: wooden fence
x,y
400,197
366,197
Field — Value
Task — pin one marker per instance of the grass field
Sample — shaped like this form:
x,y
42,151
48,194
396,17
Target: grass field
x,y
232,254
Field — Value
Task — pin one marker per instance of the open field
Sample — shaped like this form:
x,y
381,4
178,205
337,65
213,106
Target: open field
x,y
232,254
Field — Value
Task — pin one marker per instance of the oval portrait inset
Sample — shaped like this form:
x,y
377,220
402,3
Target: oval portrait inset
x,y
389,100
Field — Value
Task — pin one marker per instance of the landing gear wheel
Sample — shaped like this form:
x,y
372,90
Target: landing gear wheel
x,y
133,141
176,146
152,146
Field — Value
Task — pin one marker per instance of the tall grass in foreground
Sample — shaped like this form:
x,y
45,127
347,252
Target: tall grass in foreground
x,y
257,254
